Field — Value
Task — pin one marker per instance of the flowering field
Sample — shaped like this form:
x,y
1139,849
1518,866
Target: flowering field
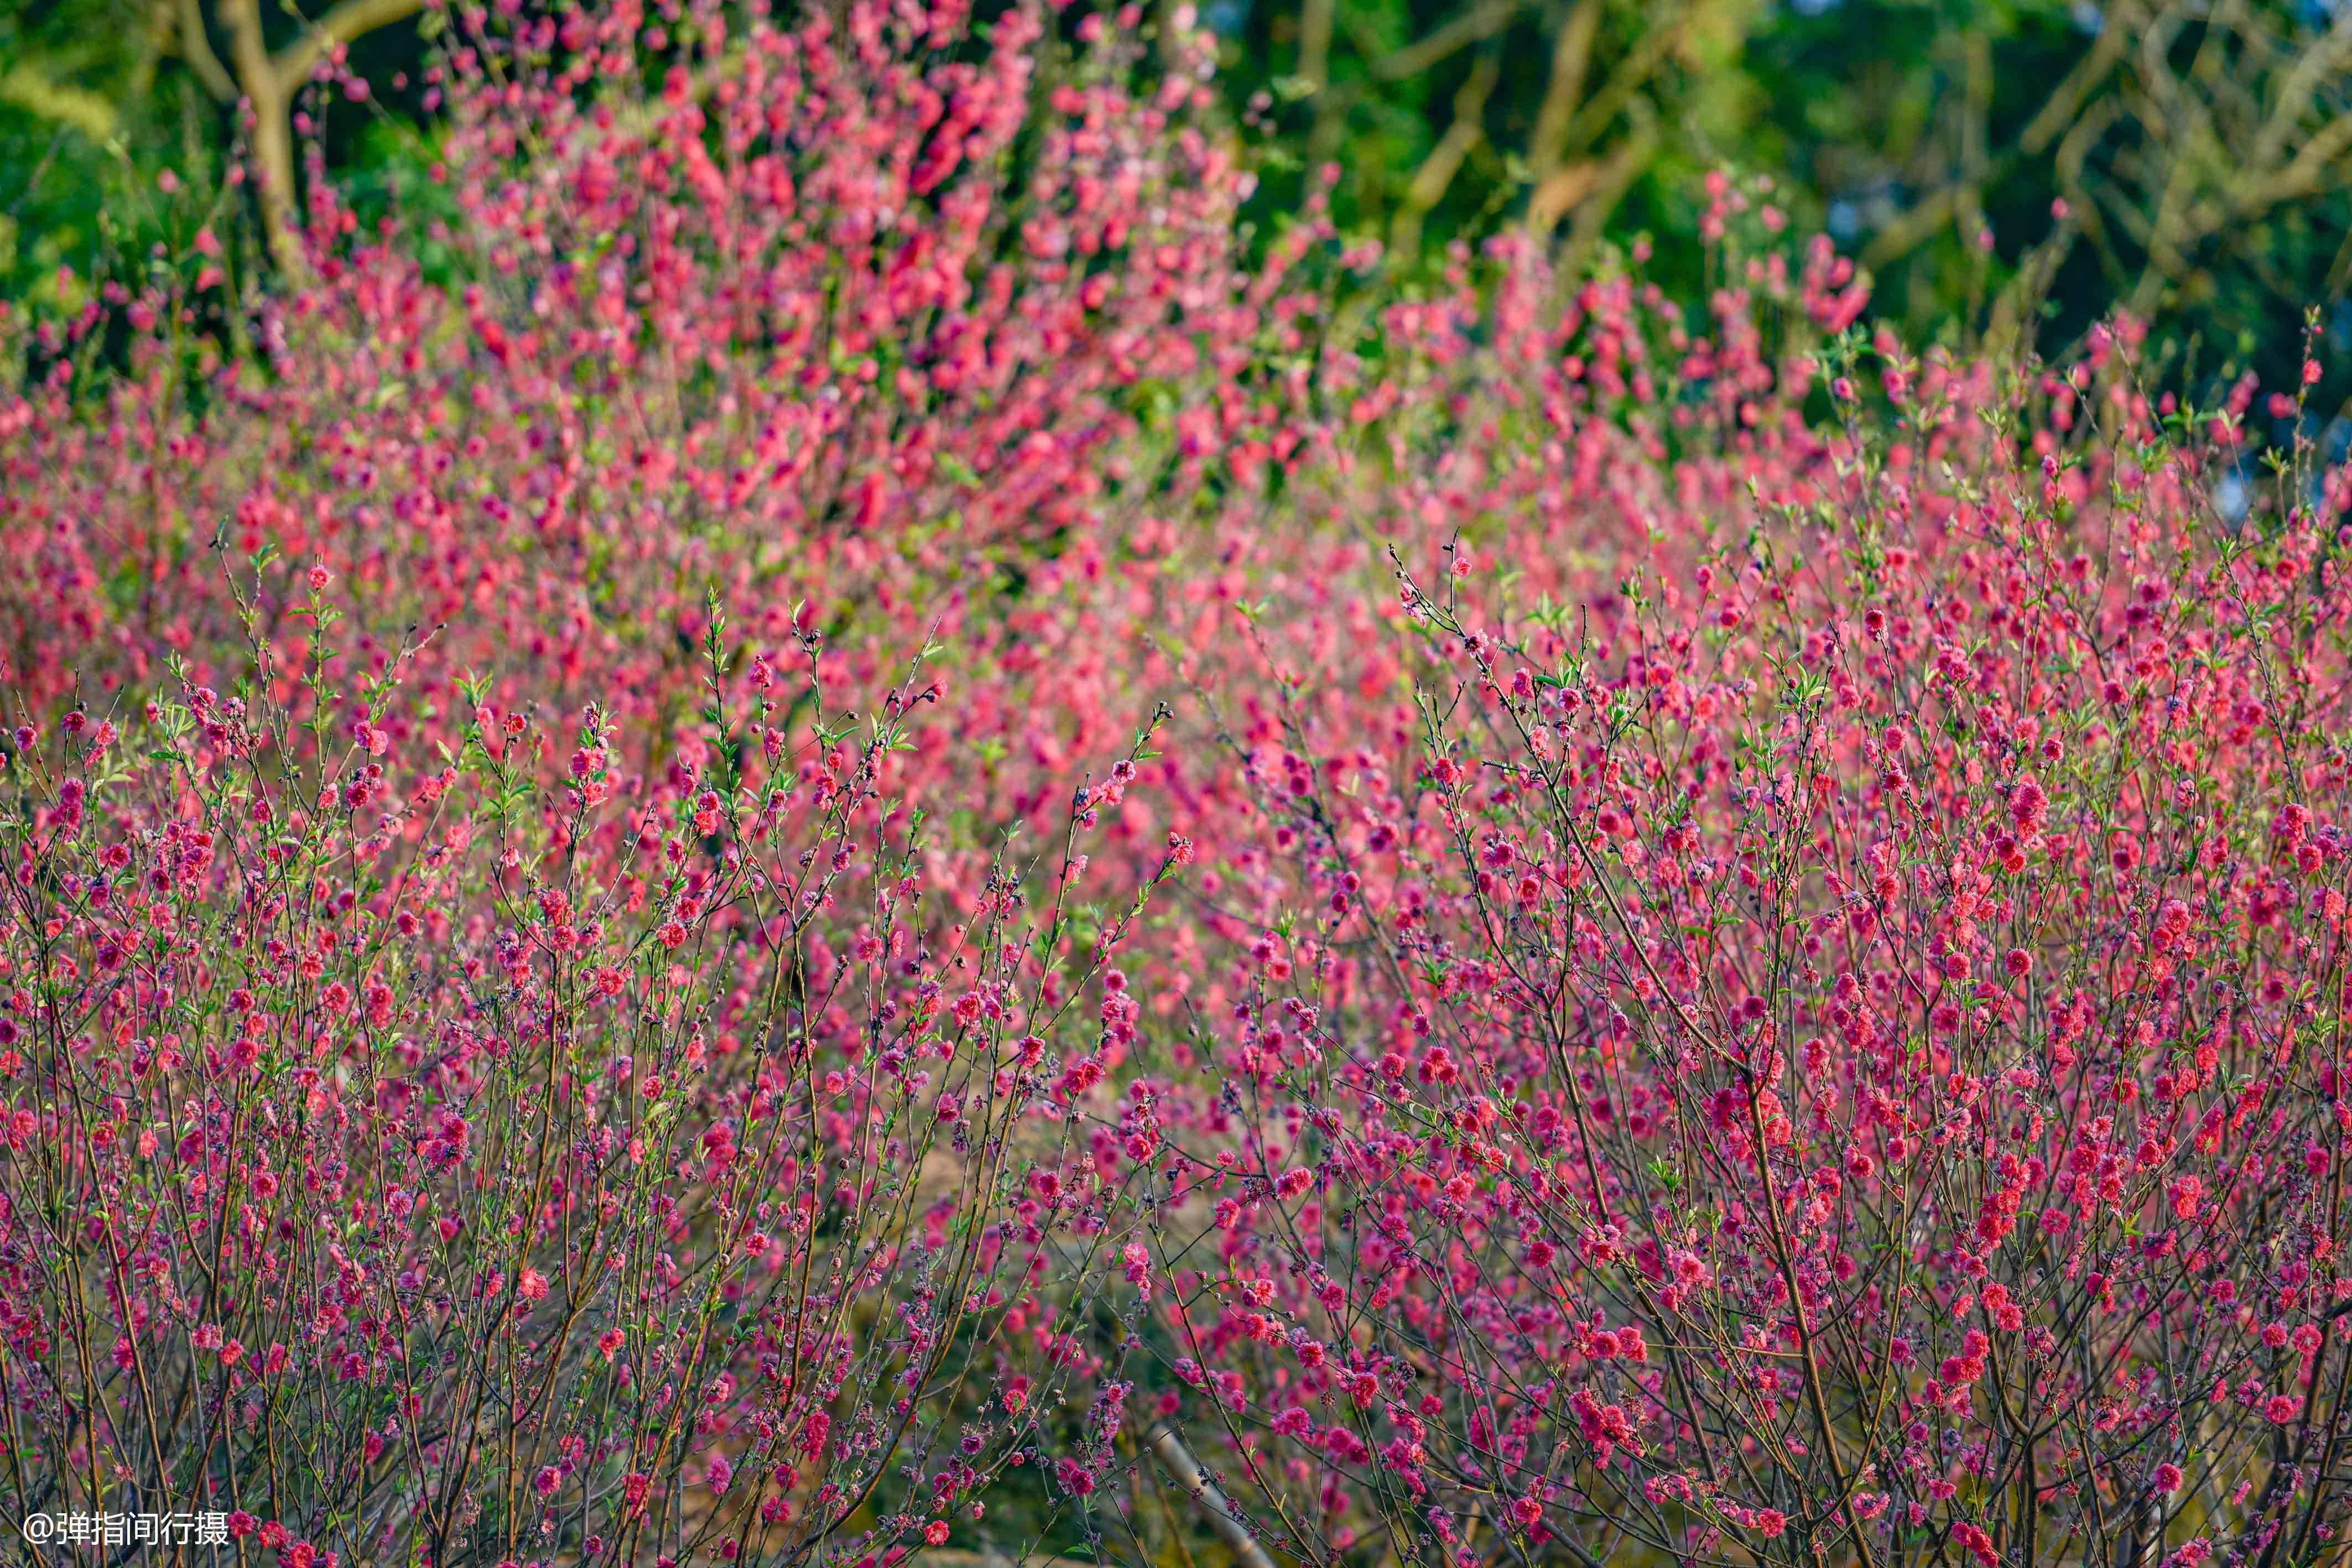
x,y
800,827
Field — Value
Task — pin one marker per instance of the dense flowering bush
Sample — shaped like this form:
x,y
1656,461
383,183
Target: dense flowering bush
x,y
449,1164
805,820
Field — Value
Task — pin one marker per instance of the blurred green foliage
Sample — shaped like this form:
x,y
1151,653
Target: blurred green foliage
x,y
2199,149
87,125
113,141
2203,149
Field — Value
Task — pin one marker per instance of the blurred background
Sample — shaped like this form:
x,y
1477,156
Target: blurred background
x,y
2189,160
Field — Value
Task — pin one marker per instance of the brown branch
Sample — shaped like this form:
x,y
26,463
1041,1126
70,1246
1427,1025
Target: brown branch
x,y
2313,66
1571,58
1911,227
273,137
2305,176
2064,105
1222,1517
347,22
266,83
1315,43
1615,177
196,49
991,1557
1445,161
1471,26
1628,78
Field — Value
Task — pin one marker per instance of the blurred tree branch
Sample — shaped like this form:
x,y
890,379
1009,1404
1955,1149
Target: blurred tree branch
x,y
347,23
2184,128
197,50
1437,172
2203,147
1571,58
266,81
1476,25
1570,122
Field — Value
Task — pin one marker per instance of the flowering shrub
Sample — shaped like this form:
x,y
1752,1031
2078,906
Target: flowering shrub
x,y
805,818
419,1184
850,323
1827,1052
